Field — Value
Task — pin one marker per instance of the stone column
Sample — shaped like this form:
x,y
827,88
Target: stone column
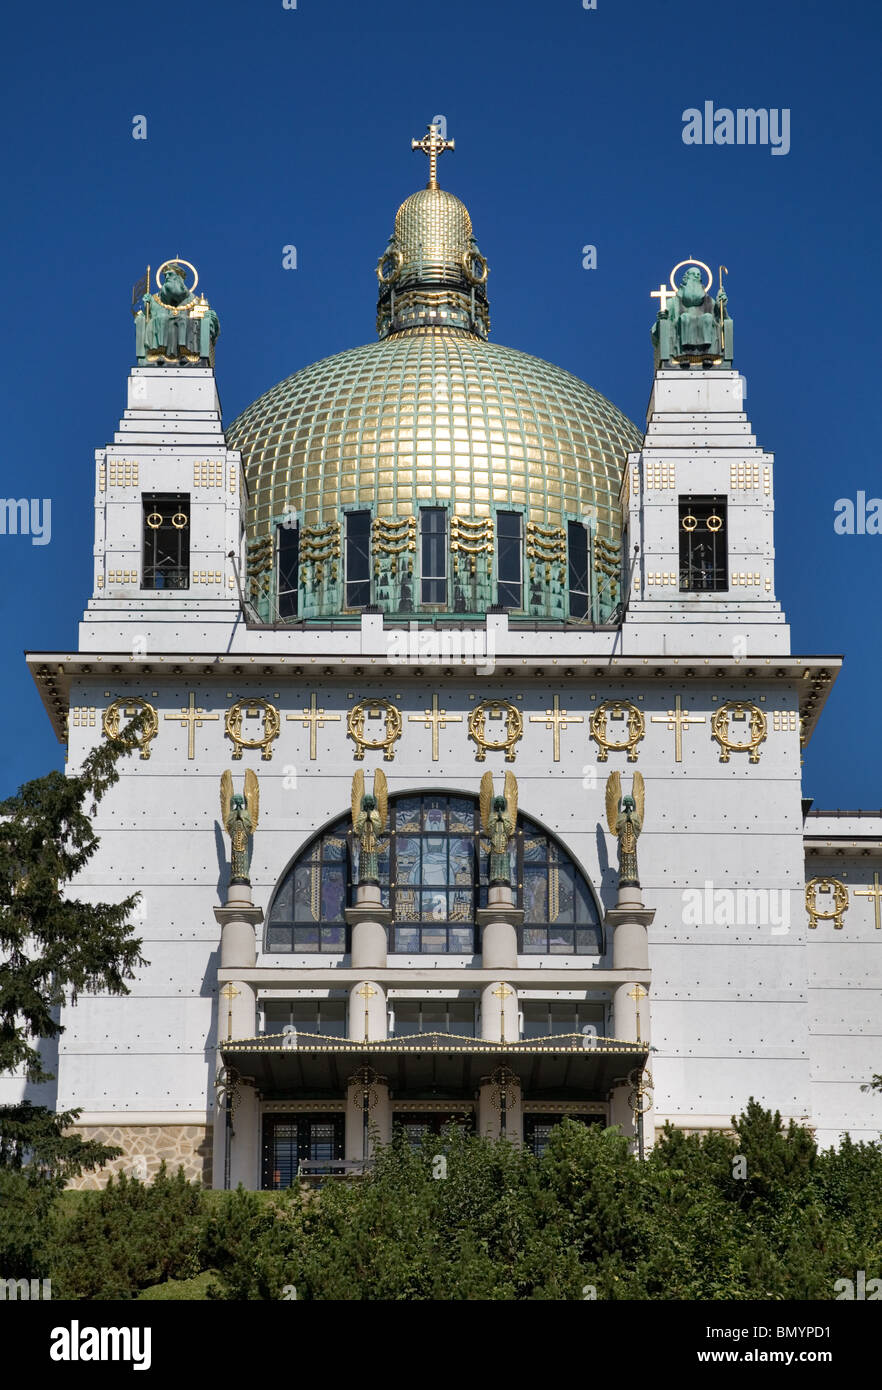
x,y
367,1012
629,920
499,922
369,921
490,1115
379,1117
237,1018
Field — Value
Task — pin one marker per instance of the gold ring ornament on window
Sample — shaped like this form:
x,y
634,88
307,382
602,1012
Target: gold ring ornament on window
x,y
475,267
389,266
689,522
179,521
154,521
714,522
176,260
838,905
739,710
690,261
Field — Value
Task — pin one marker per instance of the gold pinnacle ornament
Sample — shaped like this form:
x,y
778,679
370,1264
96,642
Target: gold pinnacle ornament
x,y
433,145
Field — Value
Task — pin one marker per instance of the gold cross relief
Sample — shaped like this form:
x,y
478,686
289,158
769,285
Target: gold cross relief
x,y
435,719
677,720
192,718
556,719
876,894
314,719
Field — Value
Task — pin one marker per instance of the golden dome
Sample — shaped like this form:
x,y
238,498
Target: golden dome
x,y
433,231
433,414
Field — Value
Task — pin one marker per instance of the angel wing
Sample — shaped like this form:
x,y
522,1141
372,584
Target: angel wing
x,y
252,796
613,797
485,800
381,798
357,794
511,800
638,793
226,796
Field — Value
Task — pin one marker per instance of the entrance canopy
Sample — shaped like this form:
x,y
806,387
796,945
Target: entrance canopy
x,y
301,1062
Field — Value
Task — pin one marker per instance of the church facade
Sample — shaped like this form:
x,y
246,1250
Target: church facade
x,y
470,782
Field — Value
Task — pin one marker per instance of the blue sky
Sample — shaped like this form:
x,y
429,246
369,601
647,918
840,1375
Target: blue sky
x,y
269,126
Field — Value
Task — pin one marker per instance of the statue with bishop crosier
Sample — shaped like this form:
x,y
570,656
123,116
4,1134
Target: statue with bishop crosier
x,y
369,814
624,816
691,325
499,819
239,815
174,325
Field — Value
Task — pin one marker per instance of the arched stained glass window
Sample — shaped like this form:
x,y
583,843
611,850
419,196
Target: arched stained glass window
x,y
433,874
307,909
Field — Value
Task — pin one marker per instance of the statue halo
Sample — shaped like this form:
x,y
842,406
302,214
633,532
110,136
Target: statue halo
x,y
690,261
176,260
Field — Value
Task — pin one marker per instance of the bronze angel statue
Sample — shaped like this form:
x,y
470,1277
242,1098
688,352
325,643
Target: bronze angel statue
x,y
239,816
369,816
624,816
499,819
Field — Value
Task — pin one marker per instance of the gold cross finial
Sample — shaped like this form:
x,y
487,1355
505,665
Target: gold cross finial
x,y
432,145
662,294
230,992
366,993
502,992
637,993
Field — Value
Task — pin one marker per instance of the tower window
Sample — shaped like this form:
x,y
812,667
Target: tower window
x,y
510,565
287,569
703,544
166,531
358,559
433,555
577,546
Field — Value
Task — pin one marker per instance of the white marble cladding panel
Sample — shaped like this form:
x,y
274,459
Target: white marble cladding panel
x,y
840,1106
140,1023
736,970
823,825
713,1028
723,1085
172,389
854,1012
162,1078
